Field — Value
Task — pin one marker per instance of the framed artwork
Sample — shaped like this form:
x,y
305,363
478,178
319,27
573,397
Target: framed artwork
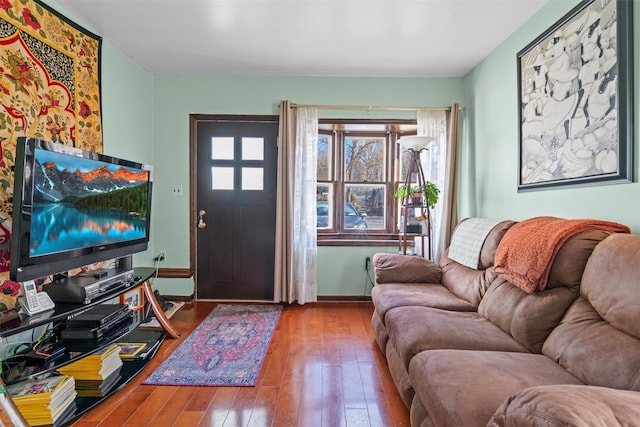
x,y
133,298
575,89
49,89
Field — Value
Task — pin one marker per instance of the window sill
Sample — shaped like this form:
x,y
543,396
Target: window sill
x,y
357,239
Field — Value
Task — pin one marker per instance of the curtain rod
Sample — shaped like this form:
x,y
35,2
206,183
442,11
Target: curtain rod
x,y
369,107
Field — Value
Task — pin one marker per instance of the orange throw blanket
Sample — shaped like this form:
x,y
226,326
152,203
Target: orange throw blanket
x,y
526,252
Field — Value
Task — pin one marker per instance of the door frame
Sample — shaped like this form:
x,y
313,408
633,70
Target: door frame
x,y
193,174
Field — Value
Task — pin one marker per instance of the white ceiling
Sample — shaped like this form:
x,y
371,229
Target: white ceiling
x,y
381,38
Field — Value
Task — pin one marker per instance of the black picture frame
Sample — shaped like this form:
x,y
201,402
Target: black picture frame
x,y
575,99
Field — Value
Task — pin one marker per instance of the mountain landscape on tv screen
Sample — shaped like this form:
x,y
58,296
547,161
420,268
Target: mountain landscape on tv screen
x,y
52,185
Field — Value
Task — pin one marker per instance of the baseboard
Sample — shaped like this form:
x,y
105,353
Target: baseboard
x,y
344,298
321,298
180,298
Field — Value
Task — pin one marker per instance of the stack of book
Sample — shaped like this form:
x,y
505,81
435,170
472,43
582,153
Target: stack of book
x,y
45,401
95,375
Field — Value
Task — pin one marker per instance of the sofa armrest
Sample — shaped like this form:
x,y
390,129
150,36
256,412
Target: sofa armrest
x,y
569,405
394,268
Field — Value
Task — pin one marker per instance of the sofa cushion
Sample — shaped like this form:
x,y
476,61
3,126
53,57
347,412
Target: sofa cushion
x,y
400,376
392,295
415,329
597,340
526,254
418,415
568,405
570,261
530,318
395,268
468,283
593,350
379,331
468,239
465,388
611,282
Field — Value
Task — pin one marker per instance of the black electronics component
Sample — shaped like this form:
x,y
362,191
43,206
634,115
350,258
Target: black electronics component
x,y
97,322
46,353
84,289
97,316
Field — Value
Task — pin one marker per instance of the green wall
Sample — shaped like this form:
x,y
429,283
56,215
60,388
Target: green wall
x,y
490,141
128,125
340,269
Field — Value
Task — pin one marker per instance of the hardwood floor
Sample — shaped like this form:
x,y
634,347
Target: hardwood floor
x,y
323,368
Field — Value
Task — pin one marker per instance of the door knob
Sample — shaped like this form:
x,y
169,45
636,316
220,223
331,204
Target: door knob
x,y
201,223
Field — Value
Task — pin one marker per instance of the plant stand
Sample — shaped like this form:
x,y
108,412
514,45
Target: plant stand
x,y
411,203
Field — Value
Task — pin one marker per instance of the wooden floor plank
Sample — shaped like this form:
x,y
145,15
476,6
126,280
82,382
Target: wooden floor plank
x,y
188,418
323,368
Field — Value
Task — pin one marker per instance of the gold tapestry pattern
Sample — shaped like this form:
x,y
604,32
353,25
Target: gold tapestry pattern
x,y
49,89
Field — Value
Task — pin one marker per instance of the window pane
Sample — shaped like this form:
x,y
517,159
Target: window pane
x,y
325,143
364,207
252,178
364,159
222,148
324,206
221,178
252,148
405,159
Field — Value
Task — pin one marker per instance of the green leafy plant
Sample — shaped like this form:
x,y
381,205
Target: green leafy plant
x,y
429,190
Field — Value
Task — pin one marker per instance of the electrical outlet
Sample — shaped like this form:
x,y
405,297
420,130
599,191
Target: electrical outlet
x,y
161,256
367,263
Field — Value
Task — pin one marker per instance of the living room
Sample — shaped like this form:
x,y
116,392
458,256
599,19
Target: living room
x,y
146,118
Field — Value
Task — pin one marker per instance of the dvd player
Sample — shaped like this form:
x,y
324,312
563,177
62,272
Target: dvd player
x,y
86,287
96,316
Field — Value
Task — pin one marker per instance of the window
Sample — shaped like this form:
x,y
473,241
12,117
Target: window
x,y
358,172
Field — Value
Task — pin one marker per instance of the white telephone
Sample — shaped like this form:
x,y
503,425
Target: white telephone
x,y
33,301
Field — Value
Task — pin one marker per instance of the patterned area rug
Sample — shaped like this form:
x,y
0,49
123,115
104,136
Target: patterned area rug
x,y
226,349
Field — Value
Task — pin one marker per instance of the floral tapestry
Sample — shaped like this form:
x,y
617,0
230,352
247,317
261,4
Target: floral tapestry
x,y
49,89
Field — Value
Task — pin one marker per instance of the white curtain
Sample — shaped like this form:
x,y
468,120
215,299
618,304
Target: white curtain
x,y
295,276
434,160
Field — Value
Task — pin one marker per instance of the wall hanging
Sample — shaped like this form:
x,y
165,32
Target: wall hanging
x,y
575,86
49,89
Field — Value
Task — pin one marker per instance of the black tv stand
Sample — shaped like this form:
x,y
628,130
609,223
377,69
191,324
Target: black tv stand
x,y
62,311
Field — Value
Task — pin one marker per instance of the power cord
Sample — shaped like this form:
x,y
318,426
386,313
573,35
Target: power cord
x,y
368,279
156,266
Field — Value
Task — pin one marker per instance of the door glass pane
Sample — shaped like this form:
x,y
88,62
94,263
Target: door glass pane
x,y
364,159
221,178
222,148
324,206
325,143
364,206
252,178
252,148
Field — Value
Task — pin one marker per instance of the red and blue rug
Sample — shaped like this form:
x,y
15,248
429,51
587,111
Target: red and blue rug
x,y
226,349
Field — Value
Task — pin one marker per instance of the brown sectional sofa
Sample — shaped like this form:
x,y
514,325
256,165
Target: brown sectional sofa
x,y
466,347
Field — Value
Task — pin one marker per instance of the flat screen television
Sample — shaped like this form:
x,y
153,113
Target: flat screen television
x,y
72,208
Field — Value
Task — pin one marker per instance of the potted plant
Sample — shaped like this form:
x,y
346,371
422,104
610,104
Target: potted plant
x,y
429,190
